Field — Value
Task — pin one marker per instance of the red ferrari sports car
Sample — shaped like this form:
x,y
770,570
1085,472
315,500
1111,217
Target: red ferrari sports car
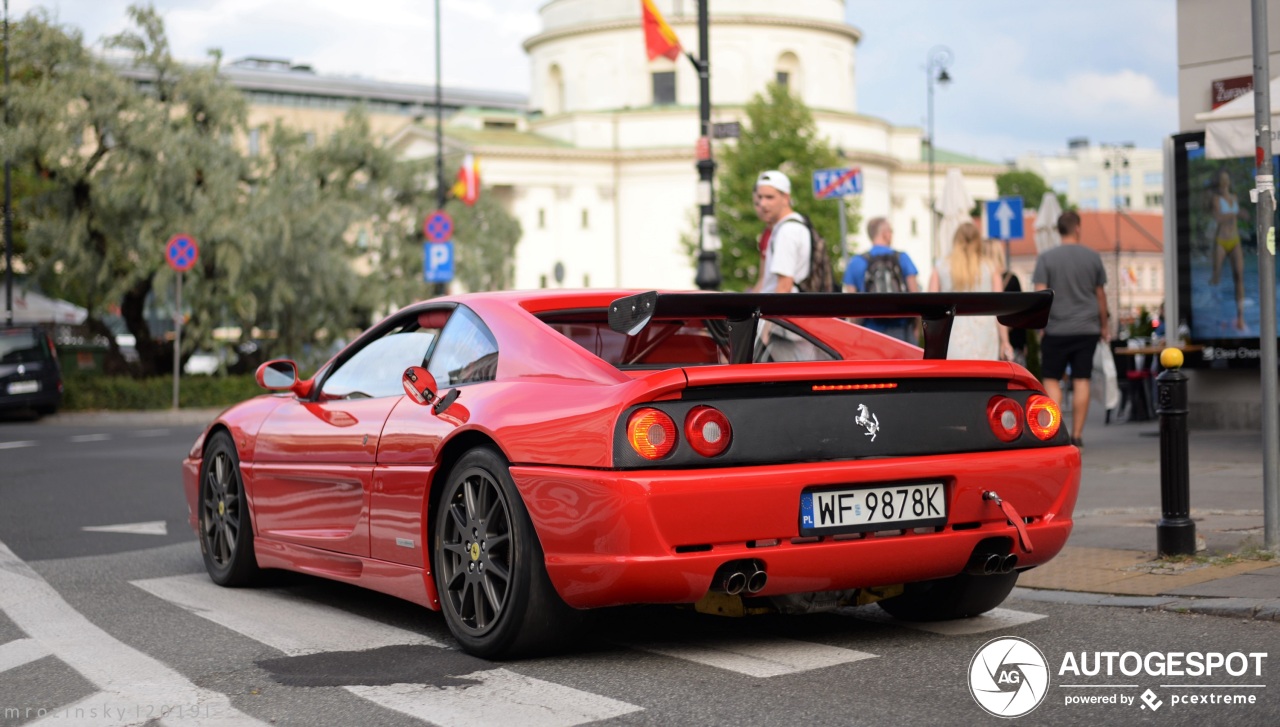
x,y
513,458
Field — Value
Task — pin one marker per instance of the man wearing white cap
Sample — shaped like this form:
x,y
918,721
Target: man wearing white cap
x,y
785,263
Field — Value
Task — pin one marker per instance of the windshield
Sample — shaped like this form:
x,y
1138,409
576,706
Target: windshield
x,y
20,345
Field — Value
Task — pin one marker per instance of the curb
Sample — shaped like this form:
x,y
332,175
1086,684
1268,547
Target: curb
x,y
1251,609
156,417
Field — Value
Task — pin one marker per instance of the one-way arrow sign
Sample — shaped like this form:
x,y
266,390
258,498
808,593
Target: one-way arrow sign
x,y
1004,218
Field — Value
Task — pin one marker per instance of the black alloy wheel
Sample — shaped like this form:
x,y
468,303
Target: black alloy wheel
x,y
226,530
489,567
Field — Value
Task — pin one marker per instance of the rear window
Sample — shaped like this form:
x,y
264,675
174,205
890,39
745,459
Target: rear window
x,y
662,344
21,345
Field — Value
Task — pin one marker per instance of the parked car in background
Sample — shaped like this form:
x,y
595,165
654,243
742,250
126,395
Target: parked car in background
x,y
30,377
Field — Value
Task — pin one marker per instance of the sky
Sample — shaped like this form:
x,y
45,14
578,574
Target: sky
x,y
1026,74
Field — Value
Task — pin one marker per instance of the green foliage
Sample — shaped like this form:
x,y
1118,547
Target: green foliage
x,y
779,133
1030,186
83,392
485,244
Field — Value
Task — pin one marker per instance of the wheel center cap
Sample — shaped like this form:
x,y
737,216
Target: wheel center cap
x,y
475,551
222,507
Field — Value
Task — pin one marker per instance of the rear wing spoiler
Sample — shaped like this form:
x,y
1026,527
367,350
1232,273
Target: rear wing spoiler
x,y
742,311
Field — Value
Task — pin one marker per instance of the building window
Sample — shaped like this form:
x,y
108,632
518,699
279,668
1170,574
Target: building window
x,y
1061,186
1155,200
255,142
787,72
586,220
1089,203
1153,179
664,88
542,221
1088,183
915,228
555,92
311,139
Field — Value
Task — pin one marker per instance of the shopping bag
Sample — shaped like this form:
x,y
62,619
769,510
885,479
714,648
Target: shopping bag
x,y
1103,387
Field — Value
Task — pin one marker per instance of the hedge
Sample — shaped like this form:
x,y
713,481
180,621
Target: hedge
x,y
82,392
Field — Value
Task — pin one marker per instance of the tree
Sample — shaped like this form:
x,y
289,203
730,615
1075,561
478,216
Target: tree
x,y
485,244
779,133
124,169
1028,185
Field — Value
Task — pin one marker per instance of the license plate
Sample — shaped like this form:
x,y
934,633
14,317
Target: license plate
x,y
888,507
24,387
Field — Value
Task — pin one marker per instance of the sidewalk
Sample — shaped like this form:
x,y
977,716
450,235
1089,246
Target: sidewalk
x,y
1110,558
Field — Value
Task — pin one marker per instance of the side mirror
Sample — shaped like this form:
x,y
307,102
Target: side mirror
x,y
419,385
277,375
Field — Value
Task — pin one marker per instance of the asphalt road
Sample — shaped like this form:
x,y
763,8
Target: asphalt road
x,y
122,628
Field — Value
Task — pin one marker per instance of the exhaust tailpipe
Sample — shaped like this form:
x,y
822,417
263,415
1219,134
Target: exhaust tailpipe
x,y
1008,563
733,582
756,581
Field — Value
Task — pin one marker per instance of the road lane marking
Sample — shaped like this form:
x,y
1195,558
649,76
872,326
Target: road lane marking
x,y
17,445
277,618
22,651
502,697
769,657
153,527
79,438
125,675
996,619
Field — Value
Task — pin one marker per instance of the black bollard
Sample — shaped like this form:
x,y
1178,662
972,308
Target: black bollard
x,y
1175,533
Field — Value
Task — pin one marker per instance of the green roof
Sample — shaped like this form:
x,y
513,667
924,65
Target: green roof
x,y
942,156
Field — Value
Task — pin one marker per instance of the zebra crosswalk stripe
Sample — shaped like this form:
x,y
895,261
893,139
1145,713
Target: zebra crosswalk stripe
x,y
765,657
125,675
298,627
22,651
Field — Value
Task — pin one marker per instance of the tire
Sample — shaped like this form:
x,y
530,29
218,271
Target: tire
x,y
959,596
225,525
490,571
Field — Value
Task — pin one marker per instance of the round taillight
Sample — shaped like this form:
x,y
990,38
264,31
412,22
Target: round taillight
x,y
1005,417
651,433
1043,417
707,430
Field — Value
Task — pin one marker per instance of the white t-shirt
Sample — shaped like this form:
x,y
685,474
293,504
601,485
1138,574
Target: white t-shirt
x,y
789,248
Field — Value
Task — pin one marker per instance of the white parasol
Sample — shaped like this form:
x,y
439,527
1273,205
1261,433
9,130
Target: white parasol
x,y
1047,236
955,207
32,307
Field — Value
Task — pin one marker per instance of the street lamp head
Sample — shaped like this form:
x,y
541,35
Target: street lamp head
x,y
943,77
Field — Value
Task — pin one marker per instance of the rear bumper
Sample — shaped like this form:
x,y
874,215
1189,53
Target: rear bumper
x,y
658,536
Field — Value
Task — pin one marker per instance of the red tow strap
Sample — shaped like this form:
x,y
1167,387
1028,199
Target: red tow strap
x,y
1014,518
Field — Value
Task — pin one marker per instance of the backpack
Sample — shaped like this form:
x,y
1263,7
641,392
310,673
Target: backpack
x,y
821,278
884,274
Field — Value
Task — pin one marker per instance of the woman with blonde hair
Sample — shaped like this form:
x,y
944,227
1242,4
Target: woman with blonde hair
x,y
969,268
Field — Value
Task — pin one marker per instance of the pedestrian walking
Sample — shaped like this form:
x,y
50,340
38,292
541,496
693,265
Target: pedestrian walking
x,y
1077,320
884,270
968,268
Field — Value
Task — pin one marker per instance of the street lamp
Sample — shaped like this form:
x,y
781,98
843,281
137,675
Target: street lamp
x,y
1115,161
935,70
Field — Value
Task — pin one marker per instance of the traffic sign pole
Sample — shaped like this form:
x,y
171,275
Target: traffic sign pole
x,y
177,340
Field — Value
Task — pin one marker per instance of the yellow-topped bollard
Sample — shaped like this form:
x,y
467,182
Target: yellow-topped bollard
x,y
1176,532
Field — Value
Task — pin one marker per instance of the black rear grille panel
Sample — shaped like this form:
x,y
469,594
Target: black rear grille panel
x,y
789,422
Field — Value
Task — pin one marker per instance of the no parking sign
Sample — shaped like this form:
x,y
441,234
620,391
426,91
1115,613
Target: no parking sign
x,y
182,252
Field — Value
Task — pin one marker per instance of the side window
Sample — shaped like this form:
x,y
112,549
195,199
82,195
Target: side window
x,y
467,351
376,369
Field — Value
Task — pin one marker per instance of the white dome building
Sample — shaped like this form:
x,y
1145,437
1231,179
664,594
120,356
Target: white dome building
x,y
601,172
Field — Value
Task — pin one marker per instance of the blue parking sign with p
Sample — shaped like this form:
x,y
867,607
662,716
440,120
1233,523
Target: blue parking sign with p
x,y
437,261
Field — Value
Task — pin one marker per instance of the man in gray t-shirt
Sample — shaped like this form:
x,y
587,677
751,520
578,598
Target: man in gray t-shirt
x,y
1077,320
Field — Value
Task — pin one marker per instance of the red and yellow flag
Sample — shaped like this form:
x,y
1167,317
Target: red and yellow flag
x,y
659,38
467,188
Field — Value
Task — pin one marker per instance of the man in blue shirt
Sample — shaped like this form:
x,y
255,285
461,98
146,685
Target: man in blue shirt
x,y
904,280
